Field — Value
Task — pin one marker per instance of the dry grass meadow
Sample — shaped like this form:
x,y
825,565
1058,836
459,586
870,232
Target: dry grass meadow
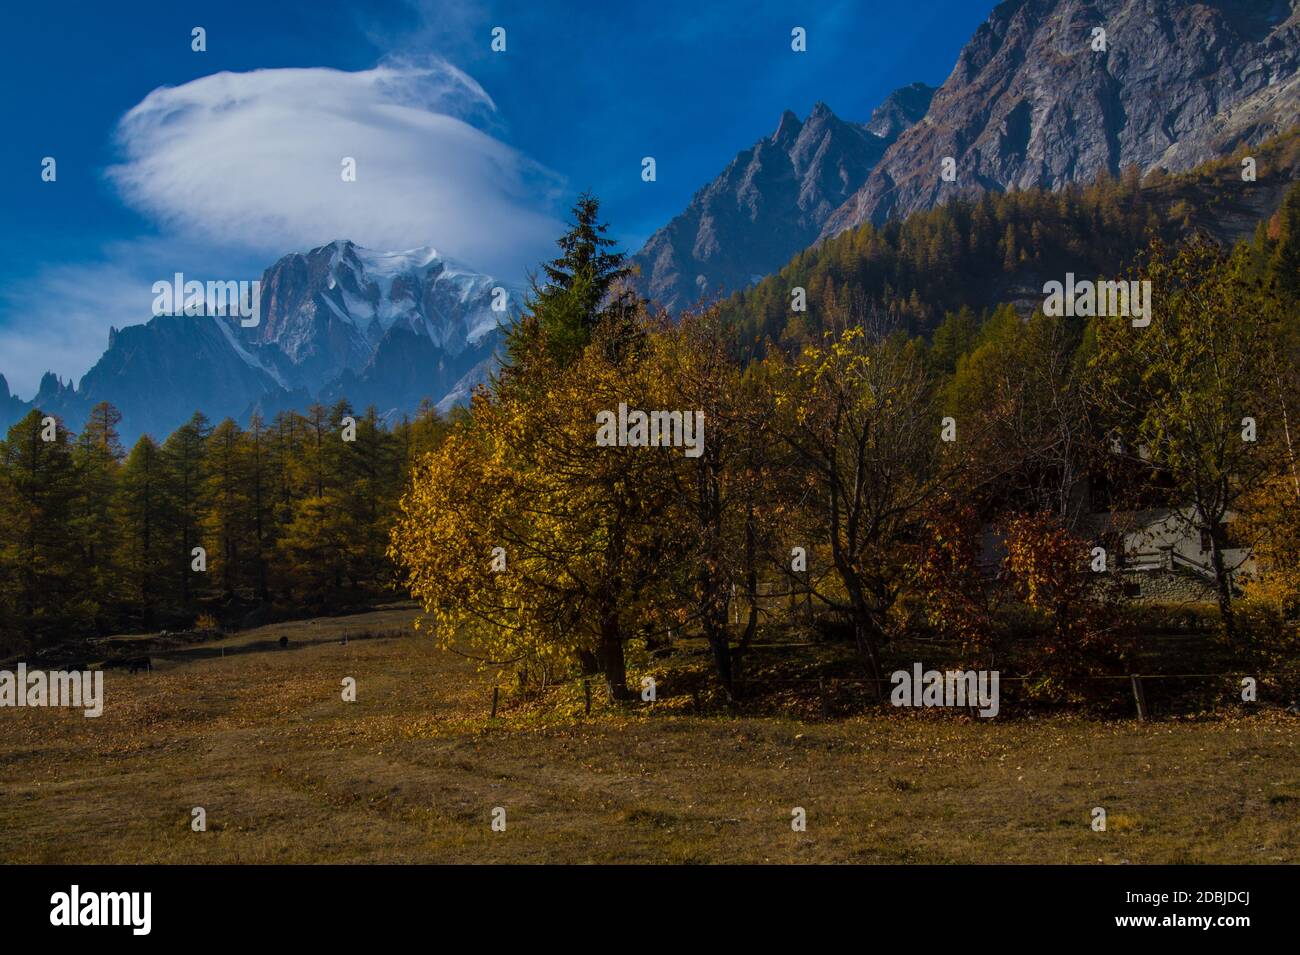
x,y
289,773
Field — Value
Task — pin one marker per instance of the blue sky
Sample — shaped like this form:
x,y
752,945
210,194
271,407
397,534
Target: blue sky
x,y
163,166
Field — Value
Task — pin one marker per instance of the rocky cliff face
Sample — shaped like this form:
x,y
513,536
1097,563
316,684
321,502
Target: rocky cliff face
x,y
1032,103
770,202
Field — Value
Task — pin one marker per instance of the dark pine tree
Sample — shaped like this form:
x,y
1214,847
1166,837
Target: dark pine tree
x,y
577,294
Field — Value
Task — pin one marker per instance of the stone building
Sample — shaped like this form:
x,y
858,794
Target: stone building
x,y
1158,555
1161,556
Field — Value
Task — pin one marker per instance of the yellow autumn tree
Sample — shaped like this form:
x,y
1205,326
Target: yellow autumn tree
x,y
1186,402
1271,521
860,417
524,537
723,509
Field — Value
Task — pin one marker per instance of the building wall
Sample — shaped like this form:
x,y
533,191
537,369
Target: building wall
x,y
1160,586
1149,535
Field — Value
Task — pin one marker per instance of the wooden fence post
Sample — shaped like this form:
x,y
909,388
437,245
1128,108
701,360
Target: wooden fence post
x,y
586,689
496,691
1139,697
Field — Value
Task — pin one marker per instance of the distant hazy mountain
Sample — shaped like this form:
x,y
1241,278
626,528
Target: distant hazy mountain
x,y
11,407
340,321
1031,103
771,201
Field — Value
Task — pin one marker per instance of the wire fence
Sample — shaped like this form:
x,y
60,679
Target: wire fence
x,y
827,686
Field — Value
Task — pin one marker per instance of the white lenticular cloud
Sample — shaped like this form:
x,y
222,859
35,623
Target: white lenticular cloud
x,y
254,160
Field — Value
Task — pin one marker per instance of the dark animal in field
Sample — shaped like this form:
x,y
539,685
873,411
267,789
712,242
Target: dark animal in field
x,y
284,642
139,663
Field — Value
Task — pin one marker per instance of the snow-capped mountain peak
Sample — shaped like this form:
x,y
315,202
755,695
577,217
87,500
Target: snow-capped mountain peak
x,y
329,310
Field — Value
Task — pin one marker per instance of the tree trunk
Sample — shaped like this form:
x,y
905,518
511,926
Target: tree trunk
x,y
751,591
864,633
1223,582
713,620
610,656
722,660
